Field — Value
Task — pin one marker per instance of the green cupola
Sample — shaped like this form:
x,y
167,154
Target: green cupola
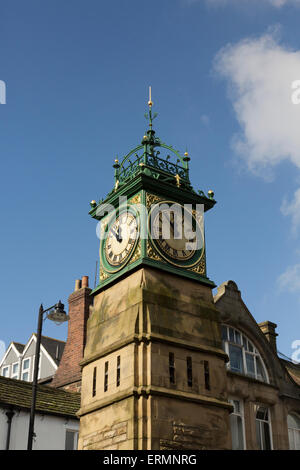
x,y
150,178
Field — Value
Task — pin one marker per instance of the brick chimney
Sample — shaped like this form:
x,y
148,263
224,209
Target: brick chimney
x,y
269,330
68,374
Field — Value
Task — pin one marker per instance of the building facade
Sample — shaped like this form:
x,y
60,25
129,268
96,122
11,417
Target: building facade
x,y
56,424
18,361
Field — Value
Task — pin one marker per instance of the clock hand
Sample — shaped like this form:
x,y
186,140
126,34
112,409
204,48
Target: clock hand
x,y
119,234
116,235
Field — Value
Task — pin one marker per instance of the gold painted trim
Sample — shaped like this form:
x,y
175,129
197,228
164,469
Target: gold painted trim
x,y
137,253
152,199
136,199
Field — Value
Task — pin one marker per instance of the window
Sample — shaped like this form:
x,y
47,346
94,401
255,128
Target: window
x,y
15,371
71,442
118,370
5,371
25,370
263,433
33,366
294,431
237,425
94,381
243,356
106,377
206,375
172,368
189,371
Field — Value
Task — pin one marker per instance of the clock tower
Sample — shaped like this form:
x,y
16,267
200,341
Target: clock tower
x,y
153,372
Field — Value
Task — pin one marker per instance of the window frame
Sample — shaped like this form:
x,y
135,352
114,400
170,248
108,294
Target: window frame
x,y
26,370
231,399
2,371
76,433
292,429
16,375
269,422
245,345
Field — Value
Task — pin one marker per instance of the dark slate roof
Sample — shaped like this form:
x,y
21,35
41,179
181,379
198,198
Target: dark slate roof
x,y
17,393
20,347
293,370
54,347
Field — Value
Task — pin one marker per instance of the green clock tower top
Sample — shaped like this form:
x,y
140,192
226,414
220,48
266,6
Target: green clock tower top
x,y
154,176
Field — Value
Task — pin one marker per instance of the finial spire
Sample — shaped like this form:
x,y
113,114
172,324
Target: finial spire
x,y
149,115
150,103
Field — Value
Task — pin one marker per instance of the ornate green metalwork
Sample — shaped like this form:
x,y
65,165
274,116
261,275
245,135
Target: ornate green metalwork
x,y
147,159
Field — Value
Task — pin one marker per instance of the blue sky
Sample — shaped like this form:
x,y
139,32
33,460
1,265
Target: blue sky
x,y
77,75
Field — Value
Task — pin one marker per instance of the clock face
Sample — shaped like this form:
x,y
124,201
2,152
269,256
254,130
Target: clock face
x,y
121,239
175,235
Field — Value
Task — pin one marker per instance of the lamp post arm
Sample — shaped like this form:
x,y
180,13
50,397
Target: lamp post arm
x,y
35,377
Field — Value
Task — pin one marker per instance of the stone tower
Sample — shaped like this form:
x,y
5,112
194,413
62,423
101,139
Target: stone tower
x,y
153,372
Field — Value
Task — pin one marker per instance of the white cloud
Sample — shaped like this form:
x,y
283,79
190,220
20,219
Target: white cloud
x,y
290,279
2,349
260,73
293,209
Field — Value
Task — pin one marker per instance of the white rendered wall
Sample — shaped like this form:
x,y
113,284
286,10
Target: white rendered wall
x,y
50,431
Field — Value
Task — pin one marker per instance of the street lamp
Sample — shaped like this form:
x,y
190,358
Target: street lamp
x,y
58,315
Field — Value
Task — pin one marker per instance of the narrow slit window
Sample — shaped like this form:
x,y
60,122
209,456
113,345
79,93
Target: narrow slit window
x,y
206,375
172,368
189,371
106,377
94,381
118,370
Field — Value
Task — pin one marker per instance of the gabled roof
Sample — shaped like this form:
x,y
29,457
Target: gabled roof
x,y
18,393
293,370
51,346
54,347
20,347
235,313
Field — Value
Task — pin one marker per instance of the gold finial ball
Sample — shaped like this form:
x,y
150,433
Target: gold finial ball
x,y
211,193
93,203
150,103
186,154
145,137
116,160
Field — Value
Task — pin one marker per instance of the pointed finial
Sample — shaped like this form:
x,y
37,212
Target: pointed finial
x,y
149,115
150,102
186,157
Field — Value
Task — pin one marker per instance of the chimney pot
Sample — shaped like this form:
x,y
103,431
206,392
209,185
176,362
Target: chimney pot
x,y
77,284
85,281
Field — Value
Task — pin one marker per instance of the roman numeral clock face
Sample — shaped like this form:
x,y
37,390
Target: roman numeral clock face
x,y
174,236
121,239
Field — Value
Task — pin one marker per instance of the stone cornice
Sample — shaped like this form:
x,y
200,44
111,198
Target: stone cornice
x,y
152,390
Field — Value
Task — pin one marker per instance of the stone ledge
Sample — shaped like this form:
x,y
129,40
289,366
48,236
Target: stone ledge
x,y
151,390
154,337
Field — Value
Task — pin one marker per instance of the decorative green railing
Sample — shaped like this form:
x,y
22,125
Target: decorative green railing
x,y
150,158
